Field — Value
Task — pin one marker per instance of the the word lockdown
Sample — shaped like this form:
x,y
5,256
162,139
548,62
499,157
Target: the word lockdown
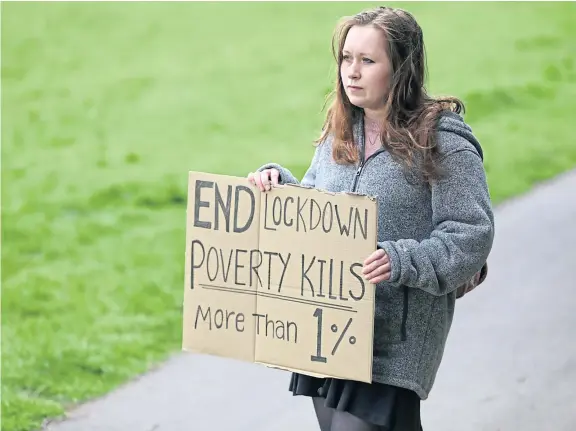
x,y
275,278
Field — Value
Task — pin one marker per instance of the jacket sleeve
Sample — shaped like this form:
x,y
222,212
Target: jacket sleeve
x,y
286,177
463,230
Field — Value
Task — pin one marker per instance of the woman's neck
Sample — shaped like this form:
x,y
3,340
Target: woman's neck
x,y
373,125
373,120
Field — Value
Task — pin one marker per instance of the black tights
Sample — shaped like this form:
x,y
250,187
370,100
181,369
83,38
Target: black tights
x,y
333,420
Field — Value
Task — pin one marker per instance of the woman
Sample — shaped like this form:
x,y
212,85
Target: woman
x,y
385,136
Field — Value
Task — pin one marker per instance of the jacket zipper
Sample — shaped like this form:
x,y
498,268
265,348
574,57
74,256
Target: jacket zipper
x,y
361,167
403,335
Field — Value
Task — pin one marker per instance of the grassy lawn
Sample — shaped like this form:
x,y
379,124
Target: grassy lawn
x,y
107,106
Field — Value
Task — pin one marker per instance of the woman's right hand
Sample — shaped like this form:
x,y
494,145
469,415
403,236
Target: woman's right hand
x,y
264,180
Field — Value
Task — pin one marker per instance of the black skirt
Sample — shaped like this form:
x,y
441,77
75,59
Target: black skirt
x,y
393,408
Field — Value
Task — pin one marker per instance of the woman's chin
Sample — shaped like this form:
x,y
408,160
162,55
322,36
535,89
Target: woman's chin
x,y
359,102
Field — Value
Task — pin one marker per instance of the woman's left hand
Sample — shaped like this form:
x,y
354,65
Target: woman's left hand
x,y
377,267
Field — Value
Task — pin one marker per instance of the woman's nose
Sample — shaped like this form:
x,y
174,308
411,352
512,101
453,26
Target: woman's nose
x,y
353,71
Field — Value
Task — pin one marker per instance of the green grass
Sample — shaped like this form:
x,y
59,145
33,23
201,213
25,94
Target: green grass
x,y
107,106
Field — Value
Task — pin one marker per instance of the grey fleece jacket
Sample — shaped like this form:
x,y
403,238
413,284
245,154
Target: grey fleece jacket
x,y
437,237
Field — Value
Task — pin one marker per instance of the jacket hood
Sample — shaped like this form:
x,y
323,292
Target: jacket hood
x,y
454,123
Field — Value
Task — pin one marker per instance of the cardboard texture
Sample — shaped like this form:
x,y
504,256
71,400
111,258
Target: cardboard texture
x,y
275,278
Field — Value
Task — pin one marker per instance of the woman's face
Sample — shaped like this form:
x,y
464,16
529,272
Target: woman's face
x,y
365,68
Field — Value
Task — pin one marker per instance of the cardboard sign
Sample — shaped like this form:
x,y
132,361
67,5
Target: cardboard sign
x,y
275,278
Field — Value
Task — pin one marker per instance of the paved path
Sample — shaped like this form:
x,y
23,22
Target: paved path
x,y
510,363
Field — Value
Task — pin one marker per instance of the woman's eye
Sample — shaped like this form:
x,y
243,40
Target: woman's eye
x,y
367,60
346,57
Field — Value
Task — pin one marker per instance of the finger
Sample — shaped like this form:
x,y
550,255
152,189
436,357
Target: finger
x,y
274,175
265,177
378,254
258,180
383,269
372,266
368,269
251,178
380,278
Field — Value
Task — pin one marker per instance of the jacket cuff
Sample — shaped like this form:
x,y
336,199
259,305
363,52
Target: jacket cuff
x,y
285,176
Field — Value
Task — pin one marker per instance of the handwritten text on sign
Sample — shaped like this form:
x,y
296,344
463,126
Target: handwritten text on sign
x,y
275,277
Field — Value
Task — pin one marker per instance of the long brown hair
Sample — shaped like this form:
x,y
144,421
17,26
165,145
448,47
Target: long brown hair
x,y
411,113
